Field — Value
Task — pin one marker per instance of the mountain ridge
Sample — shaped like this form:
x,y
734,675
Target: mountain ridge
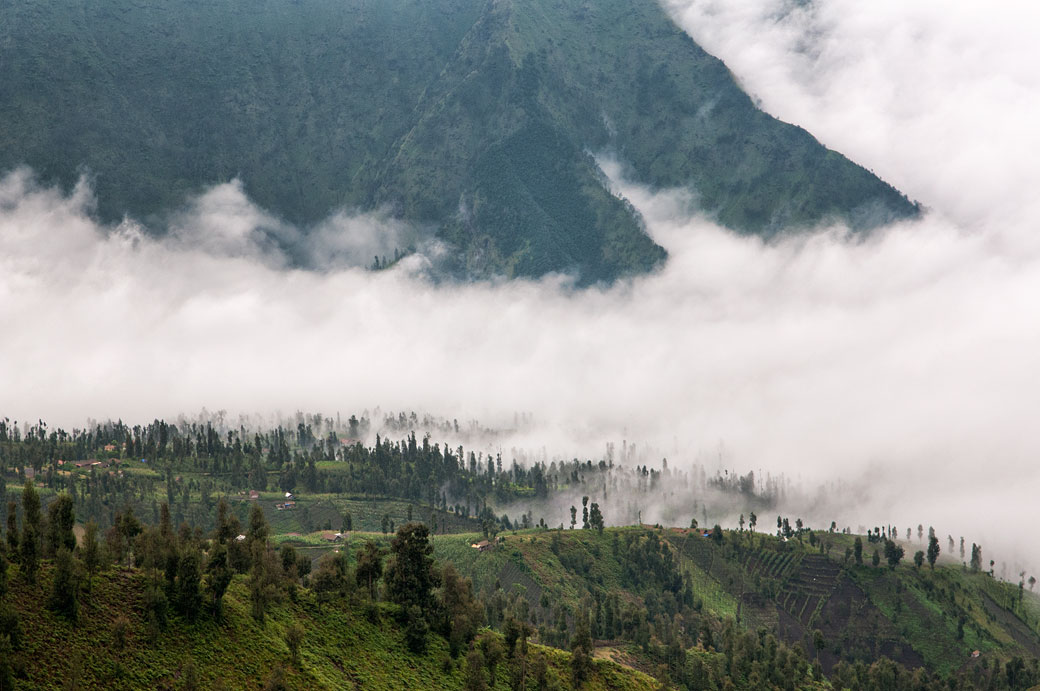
x,y
475,117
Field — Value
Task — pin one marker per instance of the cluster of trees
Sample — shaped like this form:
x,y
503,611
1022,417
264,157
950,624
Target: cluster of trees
x,y
413,469
750,660
893,553
43,536
932,555
591,516
1012,675
200,461
188,572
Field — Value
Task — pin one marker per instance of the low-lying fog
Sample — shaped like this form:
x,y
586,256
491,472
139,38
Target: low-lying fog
x,y
906,364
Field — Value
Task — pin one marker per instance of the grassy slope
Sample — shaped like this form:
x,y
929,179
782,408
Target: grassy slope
x,y
925,606
366,512
920,609
527,555
905,613
341,648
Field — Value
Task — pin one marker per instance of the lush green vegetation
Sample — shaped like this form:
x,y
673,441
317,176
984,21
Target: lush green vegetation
x,y
474,116
346,644
394,557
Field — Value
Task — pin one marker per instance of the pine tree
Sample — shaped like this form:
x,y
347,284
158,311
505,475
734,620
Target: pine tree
x,y
893,553
31,508
462,613
223,527
415,630
29,557
327,581
218,577
256,536
263,580
12,529
410,574
369,567
61,520
581,651
30,540
3,574
596,517
264,566
976,558
933,551
493,654
65,586
91,552
294,639
189,574
476,678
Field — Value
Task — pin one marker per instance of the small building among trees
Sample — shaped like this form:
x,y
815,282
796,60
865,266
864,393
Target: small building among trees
x,y
482,546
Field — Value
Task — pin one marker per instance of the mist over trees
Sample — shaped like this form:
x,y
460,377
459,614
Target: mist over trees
x,y
198,510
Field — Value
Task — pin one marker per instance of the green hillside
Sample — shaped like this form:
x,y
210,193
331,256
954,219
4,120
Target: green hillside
x,y
346,644
845,616
474,116
192,507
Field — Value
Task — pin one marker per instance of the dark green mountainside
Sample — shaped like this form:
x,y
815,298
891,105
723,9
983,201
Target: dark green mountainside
x,y
476,116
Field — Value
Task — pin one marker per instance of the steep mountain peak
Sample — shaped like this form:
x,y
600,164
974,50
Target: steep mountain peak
x,y
476,117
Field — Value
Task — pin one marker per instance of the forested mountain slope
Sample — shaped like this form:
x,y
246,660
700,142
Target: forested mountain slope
x,y
476,117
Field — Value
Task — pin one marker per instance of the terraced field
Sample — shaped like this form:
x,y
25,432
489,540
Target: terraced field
x,y
807,589
767,564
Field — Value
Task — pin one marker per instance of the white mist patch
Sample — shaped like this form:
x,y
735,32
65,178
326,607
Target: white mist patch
x,y
224,222
903,363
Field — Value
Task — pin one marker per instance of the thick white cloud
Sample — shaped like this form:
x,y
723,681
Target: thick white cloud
x,y
904,363
939,98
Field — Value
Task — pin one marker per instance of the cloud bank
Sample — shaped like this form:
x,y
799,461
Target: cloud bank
x,y
904,363
938,98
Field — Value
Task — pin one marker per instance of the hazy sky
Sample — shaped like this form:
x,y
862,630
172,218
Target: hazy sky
x,y
907,363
